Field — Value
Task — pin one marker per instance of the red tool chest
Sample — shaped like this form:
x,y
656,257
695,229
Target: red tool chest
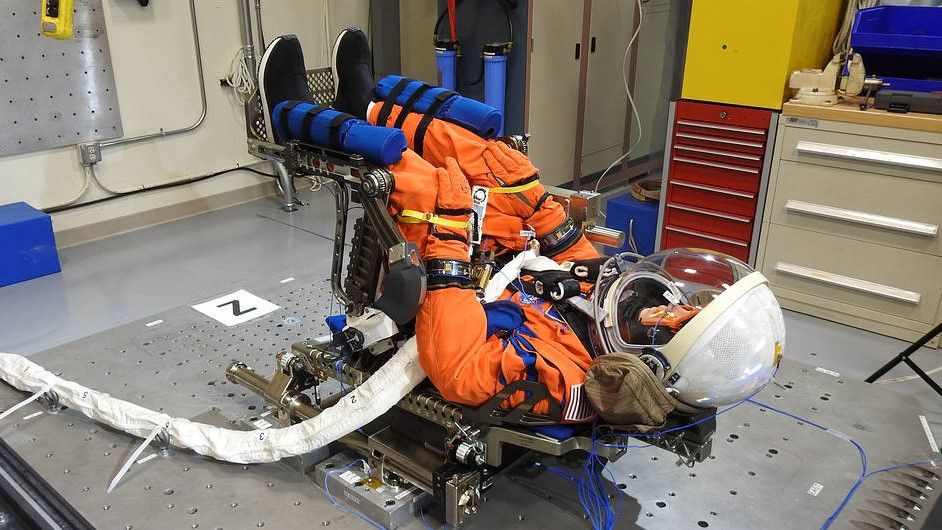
x,y
716,173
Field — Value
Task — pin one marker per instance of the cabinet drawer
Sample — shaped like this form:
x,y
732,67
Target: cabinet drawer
x,y
724,175
729,116
709,221
891,281
887,156
893,211
711,197
675,236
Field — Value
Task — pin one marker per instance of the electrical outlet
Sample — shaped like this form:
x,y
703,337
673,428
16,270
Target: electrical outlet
x,y
91,153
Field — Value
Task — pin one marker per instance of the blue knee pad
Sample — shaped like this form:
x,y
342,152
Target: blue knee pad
x,y
326,127
483,120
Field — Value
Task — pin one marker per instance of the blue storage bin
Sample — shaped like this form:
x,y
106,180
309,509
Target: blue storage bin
x,y
902,45
621,211
27,244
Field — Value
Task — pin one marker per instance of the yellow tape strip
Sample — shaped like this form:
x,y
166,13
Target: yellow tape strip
x,y
516,189
412,216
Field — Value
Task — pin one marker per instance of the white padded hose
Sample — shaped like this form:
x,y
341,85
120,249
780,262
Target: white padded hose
x,y
367,402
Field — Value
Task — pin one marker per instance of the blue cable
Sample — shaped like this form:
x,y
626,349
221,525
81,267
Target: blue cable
x,y
860,450
424,520
342,507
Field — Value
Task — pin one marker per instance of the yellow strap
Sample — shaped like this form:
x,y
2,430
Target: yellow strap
x,y
516,189
412,216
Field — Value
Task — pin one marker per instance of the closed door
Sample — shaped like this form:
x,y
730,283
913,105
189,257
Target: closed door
x,y
611,27
554,87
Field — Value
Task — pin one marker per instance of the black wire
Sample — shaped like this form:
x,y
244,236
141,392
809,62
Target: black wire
x,y
157,187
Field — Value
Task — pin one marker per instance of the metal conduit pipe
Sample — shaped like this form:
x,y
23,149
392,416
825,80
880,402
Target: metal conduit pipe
x,y
258,23
199,70
248,45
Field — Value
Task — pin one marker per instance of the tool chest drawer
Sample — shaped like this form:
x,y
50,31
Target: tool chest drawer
x,y
715,177
711,197
676,236
892,211
858,274
888,156
712,222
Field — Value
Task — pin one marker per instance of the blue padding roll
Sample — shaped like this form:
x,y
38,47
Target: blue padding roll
x,y
379,145
471,114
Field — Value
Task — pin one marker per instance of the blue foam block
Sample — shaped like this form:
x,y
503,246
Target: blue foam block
x,y
380,145
27,244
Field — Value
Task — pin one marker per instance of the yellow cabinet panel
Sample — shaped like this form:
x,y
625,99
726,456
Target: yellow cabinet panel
x,y
742,52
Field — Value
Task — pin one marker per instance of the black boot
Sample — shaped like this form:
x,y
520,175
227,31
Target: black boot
x,y
353,74
281,76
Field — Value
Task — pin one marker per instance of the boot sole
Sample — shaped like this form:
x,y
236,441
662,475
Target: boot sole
x,y
266,111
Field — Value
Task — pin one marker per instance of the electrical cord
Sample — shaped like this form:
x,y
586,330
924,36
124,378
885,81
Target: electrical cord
x,y
184,182
86,180
864,473
333,501
631,99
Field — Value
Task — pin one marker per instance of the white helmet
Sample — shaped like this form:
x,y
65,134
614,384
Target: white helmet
x,y
706,323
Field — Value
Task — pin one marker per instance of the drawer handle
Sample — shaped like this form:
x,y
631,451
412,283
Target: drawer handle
x,y
717,139
706,236
718,152
711,213
863,218
704,187
854,284
869,155
730,128
716,165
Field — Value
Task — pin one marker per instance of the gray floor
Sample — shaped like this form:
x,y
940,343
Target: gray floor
x,y
125,278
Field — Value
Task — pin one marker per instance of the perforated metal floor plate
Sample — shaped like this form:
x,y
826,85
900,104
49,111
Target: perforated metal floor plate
x,y
763,469
55,92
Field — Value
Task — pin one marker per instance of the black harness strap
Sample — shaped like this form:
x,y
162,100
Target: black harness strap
x,y
308,118
283,114
407,106
386,109
419,138
452,211
539,203
334,127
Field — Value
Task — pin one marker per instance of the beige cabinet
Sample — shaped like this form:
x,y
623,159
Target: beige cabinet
x,y
553,87
852,228
577,107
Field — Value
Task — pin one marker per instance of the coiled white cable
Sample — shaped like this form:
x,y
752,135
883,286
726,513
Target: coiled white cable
x,y
239,77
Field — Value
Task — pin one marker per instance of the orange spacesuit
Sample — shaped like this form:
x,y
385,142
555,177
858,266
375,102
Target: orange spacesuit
x,y
471,351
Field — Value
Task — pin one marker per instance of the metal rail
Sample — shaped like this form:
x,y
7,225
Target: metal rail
x,y
202,117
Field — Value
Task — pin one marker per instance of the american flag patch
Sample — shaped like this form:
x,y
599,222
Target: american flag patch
x,y
579,408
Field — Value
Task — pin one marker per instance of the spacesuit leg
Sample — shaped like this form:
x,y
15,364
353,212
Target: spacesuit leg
x,y
467,357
